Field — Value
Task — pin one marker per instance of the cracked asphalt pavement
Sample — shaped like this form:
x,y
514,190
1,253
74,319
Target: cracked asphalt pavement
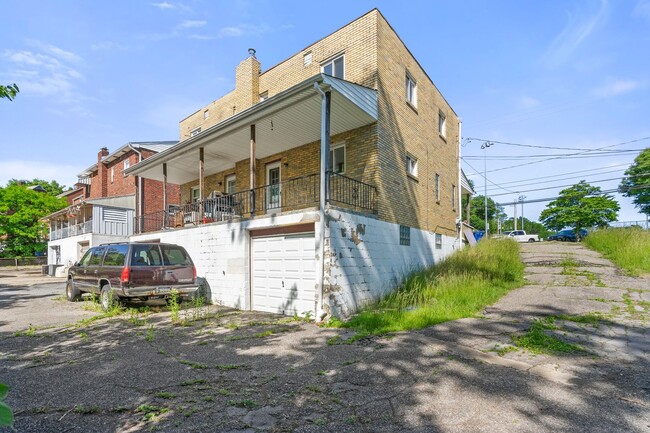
x,y
224,370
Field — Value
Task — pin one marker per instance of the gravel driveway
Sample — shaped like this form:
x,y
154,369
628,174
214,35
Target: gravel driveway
x,y
223,370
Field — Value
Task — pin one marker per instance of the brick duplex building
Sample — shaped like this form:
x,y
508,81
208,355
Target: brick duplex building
x,y
104,201
314,186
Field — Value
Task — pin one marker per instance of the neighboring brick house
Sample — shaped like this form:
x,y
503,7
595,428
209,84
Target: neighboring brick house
x,y
104,201
314,186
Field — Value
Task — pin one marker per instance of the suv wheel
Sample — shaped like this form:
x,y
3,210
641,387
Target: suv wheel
x,y
71,292
107,298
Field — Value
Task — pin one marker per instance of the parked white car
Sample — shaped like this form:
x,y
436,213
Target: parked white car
x,y
521,236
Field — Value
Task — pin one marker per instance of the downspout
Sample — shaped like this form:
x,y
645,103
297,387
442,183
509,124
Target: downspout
x,y
140,203
324,155
460,188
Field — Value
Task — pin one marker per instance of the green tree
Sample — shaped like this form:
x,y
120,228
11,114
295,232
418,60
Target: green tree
x,y
580,206
531,227
21,209
9,91
477,213
636,183
52,187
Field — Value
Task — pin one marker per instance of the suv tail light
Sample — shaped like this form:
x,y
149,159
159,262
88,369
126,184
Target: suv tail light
x,y
194,272
126,275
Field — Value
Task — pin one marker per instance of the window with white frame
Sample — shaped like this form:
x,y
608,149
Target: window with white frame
x,y
127,163
438,241
112,174
453,197
337,159
196,194
195,131
264,96
306,59
412,165
230,184
206,114
334,67
442,123
411,90
437,187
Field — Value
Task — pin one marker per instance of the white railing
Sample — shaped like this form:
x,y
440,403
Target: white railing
x,y
74,230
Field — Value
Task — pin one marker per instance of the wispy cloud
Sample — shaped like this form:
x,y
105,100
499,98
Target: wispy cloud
x,y
47,71
243,30
108,46
172,6
576,31
163,5
642,9
192,24
617,87
201,37
528,102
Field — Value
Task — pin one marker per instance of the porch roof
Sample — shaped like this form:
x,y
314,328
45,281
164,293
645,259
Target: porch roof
x,y
286,120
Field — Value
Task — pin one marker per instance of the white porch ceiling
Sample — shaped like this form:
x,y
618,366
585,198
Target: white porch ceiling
x,y
287,120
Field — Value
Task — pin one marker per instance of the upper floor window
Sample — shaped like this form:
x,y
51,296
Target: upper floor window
x,y
264,96
127,163
412,165
306,59
437,187
442,123
206,114
196,194
334,67
453,197
230,184
112,174
195,131
337,159
411,90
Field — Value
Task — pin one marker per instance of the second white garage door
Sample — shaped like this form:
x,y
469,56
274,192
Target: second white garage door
x,y
283,270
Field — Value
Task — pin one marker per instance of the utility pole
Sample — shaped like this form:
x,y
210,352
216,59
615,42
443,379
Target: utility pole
x,y
521,199
484,146
514,219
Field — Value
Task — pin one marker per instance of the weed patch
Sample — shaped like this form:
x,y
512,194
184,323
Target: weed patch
x,y
628,248
537,341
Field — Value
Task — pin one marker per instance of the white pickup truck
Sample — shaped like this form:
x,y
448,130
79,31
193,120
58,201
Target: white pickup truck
x,y
521,236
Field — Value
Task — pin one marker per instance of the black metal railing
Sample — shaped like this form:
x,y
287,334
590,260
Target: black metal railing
x,y
292,194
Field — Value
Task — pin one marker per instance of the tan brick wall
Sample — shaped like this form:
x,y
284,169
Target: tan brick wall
x,y
374,57
403,130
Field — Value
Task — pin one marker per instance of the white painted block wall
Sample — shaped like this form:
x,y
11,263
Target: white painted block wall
x,y
364,259
70,247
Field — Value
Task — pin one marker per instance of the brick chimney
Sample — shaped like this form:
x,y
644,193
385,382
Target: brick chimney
x,y
247,82
102,172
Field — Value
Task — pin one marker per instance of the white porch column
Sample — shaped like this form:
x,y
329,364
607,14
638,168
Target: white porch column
x,y
201,171
164,191
253,169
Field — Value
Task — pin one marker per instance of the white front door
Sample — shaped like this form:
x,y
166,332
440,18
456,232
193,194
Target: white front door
x,y
283,270
273,196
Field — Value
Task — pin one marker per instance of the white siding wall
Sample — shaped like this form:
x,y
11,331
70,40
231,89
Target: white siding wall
x,y
364,259
70,247
221,253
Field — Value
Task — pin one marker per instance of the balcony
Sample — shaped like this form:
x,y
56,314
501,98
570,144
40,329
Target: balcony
x,y
289,195
73,230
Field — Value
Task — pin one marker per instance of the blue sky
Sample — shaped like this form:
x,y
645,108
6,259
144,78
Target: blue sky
x,y
572,74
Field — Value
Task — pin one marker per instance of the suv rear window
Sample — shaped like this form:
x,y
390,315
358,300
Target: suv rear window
x,y
115,255
175,256
146,255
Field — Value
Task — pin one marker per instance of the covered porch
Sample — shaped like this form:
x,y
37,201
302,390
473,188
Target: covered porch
x,y
270,154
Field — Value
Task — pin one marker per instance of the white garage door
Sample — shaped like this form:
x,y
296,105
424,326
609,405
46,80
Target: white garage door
x,y
284,274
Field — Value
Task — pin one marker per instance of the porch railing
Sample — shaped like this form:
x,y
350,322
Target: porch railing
x,y
73,230
293,194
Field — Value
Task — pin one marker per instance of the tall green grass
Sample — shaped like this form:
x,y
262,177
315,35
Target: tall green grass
x,y
457,287
628,248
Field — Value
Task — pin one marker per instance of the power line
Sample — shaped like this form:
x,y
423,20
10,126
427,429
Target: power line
x,y
547,199
568,155
563,186
483,140
487,180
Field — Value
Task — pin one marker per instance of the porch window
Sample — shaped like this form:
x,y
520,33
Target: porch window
x,y
337,159
334,67
196,194
411,90
412,165
404,235
230,184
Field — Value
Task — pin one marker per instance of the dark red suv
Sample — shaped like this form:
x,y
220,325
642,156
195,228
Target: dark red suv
x,y
132,270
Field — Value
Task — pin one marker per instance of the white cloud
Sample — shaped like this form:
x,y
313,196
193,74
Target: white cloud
x,y
22,169
573,35
163,5
243,29
617,87
108,46
201,37
528,102
192,24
